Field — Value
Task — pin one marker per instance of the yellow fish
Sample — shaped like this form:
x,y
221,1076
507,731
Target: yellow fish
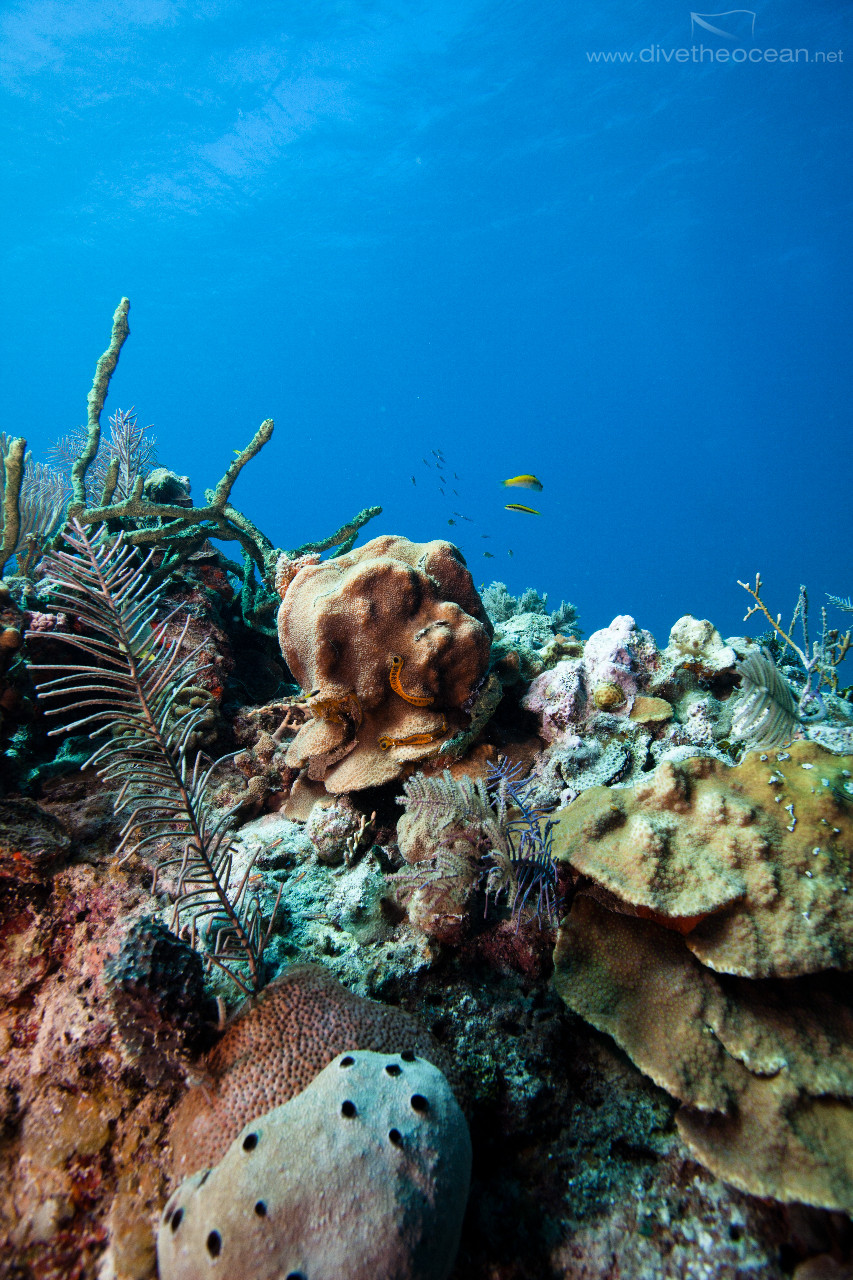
x,y
523,482
517,506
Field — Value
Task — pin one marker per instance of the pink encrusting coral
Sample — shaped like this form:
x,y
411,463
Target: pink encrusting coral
x,y
617,664
616,660
558,697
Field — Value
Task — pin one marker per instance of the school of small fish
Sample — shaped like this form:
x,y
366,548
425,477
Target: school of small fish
x,y
439,466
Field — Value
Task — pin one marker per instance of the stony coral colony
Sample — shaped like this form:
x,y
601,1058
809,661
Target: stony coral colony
x,y
362,791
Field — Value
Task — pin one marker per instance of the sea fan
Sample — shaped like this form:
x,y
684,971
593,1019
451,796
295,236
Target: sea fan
x,y
128,446
129,686
765,712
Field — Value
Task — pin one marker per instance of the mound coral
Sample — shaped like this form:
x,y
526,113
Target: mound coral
x,y
272,1050
389,642
765,1069
751,863
714,904
363,1175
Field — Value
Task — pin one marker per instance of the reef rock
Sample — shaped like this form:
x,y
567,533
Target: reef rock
x,y
617,661
697,642
32,841
363,1175
389,642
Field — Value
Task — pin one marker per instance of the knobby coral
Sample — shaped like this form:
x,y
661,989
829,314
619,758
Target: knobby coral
x,y
388,642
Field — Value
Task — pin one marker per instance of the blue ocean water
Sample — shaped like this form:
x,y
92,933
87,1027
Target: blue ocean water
x,y
529,236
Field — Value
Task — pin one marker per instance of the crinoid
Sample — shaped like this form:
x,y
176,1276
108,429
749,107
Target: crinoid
x,y
525,870
131,686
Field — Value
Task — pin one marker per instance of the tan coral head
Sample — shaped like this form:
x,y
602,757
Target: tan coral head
x,y
390,639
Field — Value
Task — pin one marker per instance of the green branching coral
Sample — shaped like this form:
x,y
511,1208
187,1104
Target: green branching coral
x,y
32,504
175,530
129,688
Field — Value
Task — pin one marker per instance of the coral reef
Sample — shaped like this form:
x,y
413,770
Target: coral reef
x,y
503,607
382,829
388,643
363,1174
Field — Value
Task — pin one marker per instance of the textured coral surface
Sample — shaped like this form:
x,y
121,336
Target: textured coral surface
x,y
389,641
364,1174
274,1048
752,863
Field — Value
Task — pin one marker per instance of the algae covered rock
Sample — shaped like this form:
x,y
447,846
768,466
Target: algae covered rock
x,y
32,841
155,985
363,1175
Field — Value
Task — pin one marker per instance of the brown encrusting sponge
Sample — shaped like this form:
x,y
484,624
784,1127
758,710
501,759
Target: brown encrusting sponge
x,y
388,643
274,1047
